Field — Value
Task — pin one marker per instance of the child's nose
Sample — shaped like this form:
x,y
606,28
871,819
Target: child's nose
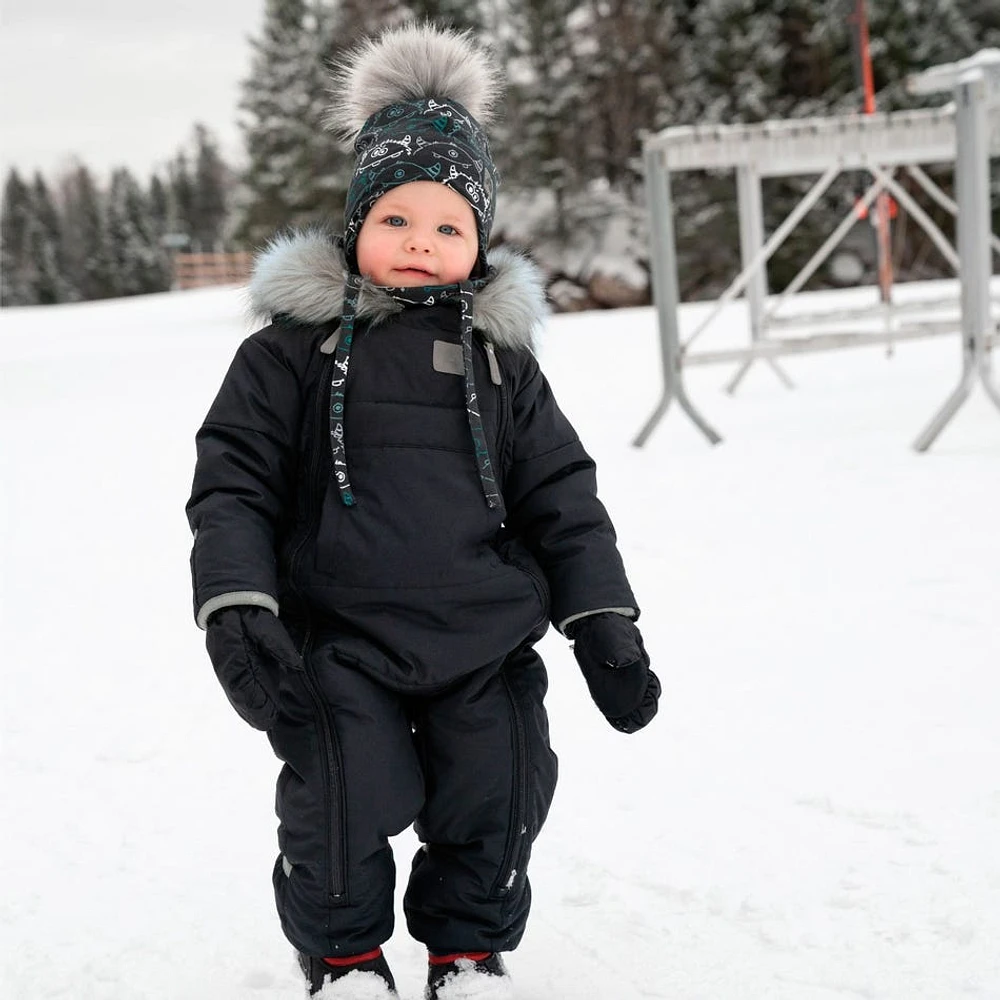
x,y
419,242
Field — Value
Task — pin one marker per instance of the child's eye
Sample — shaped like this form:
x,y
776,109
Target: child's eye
x,y
448,230
395,220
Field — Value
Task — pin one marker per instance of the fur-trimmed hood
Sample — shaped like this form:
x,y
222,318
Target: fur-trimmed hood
x,y
302,275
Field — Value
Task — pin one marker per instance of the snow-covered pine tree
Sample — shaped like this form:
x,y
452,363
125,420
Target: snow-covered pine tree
x,y
817,74
584,79
182,199
984,17
295,167
211,192
276,103
85,235
161,223
357,18
337,27
535,145
17,272
738,58
910,35
712,61
158,200
633,76
138,264
752,61
45,247
448,13
905,37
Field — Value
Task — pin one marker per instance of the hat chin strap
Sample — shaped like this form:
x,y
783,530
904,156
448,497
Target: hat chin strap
x,y
462,293
338,387
482,452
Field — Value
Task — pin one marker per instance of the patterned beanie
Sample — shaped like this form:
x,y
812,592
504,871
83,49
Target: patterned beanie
x,y
412,102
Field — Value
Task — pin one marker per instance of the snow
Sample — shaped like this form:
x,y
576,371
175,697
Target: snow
x,y
468,984
357,986
815,813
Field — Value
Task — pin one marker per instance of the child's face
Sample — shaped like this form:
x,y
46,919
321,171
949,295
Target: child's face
x,y
421,233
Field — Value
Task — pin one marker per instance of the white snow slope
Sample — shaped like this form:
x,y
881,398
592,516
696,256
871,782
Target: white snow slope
x,y
815,813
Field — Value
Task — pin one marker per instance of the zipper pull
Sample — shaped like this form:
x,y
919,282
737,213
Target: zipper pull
x,y
491,357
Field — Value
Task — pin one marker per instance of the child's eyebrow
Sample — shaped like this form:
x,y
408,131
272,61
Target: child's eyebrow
x,y
450,216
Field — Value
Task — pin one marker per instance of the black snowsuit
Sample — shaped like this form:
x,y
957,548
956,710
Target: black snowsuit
x,y
416,610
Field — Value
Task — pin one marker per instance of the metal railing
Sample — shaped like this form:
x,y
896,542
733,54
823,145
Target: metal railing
x,y
965,133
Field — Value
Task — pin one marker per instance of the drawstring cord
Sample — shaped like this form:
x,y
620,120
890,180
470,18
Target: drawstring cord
x,y
482,452
464,292
338,388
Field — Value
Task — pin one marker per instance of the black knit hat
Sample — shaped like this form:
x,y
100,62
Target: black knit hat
x,y
412,101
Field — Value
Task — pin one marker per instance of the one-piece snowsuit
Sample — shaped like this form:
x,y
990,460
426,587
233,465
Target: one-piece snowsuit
x,y
416,607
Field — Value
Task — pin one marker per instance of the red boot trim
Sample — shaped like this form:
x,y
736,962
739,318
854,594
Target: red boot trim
x,y
339,963
475,956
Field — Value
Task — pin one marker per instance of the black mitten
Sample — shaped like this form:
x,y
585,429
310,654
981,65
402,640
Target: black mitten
x,y
609,649
249,646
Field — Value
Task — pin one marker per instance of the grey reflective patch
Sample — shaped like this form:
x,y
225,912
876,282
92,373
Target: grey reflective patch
x,y
448,358
626,612
286,866
232,600
330,344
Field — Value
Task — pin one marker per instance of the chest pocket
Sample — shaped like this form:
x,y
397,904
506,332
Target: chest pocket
x,y
420,517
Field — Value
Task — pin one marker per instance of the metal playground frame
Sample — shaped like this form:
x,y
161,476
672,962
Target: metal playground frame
x,y
966,132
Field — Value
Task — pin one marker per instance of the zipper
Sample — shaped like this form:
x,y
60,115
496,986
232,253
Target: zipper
x,y
310,505
333,787
517,836
503,416
503,437
491,357
333,811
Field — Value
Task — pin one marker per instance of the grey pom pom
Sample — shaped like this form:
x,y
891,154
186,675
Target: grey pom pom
x,y
412,61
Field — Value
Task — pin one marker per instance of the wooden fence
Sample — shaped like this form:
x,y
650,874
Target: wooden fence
x,y
201,270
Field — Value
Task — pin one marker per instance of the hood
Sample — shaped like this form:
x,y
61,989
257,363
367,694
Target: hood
x,y
302,275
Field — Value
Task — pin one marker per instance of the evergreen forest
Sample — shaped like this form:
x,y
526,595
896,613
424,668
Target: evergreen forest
x,y
586,81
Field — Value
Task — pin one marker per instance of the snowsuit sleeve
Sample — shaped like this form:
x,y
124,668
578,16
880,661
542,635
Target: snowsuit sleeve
x,y
551,496
242,480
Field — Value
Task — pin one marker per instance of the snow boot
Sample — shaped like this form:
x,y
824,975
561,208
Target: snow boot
x,y
357,977
470,976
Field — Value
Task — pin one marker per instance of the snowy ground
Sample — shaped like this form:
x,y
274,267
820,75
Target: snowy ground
x,y
814,815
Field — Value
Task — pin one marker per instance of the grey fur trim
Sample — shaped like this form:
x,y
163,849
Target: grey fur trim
x,y
302,275
299,274
512,306
237,598
411,61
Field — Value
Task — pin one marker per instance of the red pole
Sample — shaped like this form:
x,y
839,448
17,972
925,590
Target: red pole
x,y
883,203
864,48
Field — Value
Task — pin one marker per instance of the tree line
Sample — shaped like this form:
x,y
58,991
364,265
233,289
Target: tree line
x,y
75,240
586,81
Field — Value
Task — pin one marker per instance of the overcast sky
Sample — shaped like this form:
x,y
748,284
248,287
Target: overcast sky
x,y
119,82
